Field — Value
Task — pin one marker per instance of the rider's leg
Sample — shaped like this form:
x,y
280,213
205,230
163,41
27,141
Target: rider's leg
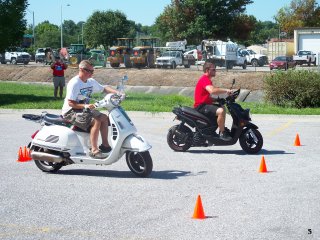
x,y
221,114
94,135
104,129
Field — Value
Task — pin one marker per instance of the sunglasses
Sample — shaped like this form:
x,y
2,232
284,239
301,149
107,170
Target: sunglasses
x,y
88,70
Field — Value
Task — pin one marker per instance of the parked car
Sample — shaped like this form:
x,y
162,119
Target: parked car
x,y
282,62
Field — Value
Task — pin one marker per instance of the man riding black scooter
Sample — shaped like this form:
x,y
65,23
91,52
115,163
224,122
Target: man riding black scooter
x,y
198,130
203,102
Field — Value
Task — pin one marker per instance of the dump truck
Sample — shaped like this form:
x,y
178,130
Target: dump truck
x,y
121,52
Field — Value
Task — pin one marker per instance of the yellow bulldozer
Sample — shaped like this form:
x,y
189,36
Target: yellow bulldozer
x,y
121,52
144,54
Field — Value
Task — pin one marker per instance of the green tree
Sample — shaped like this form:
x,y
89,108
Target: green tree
x,y
103,27
300,13
71,32
195,20
12,22
48,35
263,31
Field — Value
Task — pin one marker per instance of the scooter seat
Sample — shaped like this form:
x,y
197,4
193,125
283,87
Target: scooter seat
x,y
55,119
194,113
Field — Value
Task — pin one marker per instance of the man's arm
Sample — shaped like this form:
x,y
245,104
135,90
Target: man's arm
x,y
108,89
216,90
75,105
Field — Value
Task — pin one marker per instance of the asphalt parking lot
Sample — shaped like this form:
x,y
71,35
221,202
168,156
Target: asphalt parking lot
x,y
109,202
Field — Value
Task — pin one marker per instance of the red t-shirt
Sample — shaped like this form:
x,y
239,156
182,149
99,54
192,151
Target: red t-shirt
x,y
201,95
58,69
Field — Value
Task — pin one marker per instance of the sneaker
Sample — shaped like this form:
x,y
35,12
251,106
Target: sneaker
x,y
225,136
104,149
227,130
98,155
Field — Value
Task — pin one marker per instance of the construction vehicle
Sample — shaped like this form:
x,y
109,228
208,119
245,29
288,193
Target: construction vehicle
x,y
144,54
121,52
222,54
79,52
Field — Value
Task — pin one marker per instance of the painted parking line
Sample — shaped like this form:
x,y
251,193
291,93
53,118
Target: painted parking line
x,y
280,129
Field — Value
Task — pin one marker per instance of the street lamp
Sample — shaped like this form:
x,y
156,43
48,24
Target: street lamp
x,y
34,38
61,26
82,33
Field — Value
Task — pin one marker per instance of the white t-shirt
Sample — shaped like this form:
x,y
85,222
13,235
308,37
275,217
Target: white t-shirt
x,y
80,91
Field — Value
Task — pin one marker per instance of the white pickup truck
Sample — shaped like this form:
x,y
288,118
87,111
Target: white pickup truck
x,y
304,56
15,56
253,58
172,59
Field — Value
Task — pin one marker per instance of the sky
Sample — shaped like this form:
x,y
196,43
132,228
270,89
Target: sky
x,y
140,11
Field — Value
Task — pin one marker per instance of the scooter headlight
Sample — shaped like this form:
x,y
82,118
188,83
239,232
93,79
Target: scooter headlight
x,y
115,100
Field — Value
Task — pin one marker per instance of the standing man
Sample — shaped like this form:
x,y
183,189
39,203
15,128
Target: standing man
x,y
80,112
204,103
59,81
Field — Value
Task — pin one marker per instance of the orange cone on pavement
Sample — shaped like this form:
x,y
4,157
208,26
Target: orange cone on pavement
x,y
297,141
24,155
198,210
263,167
20,155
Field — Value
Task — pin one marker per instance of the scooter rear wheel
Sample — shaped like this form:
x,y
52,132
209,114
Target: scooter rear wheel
x,y
251,141
178,138
140,163
48,166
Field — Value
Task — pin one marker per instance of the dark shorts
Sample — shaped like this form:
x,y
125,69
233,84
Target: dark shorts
x,y
209,110
82,118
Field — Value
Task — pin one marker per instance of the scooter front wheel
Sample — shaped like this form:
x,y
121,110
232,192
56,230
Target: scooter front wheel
x,y
140,163
251,141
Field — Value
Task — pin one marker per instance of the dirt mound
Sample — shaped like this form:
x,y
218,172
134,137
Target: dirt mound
x,y
179,77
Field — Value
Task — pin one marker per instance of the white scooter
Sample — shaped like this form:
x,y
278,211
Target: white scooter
x,y
58,143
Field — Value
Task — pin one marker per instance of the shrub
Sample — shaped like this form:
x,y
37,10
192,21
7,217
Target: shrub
x,y
293,88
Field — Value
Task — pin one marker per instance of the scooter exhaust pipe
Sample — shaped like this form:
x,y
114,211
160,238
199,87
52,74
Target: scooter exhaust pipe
x,y
47,157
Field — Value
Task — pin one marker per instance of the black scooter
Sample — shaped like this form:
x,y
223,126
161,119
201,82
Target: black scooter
x,y
181,137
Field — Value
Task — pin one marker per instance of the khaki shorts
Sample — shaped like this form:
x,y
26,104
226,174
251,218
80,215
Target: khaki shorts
x,y
82,118
59,81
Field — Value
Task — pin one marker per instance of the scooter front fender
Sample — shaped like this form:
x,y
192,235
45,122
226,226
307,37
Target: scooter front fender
x,y
135,143
251,125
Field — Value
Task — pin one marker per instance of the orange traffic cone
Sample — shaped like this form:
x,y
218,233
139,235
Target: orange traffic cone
x,y
297,141
27,156
198,210
263,167
24,155
19,155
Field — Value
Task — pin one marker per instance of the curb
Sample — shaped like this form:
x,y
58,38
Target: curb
x,y
245,94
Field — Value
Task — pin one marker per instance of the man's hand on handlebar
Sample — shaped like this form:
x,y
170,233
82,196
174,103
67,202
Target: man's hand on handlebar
x,y
90,106
229,92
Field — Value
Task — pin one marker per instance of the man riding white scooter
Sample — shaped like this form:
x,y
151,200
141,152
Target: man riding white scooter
x,y
77,109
